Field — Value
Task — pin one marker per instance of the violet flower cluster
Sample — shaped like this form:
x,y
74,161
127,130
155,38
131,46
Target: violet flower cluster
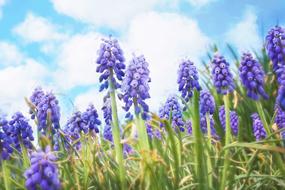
x,y
188,79
172,110
280,120
43,173
91,118
281,97
20,131
46,106
258,128
275,46
221,75
252,77
107,114
111,63
234,120
5,140
135,87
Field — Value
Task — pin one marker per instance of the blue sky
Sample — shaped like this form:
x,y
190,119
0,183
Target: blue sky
x,y
53,43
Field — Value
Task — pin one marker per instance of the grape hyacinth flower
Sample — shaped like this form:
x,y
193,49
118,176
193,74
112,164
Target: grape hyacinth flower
x,y
207,103
36,99
281,97
46,106
258,129
172,106
135,86
221,75
110,63
74,127
187,79
20,130
152,132
107,133
275,46
5,140
43,172
188,125
203,125
234,121
252,77
107,114
280,120
90,117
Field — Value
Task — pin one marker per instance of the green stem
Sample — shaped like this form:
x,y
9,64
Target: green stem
x,y
201,172
116,135
225,173
210,168
26,161
6,174
277,157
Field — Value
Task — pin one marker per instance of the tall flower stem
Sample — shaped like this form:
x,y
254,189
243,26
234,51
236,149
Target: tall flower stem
x,y
210,168
277,158
6,174
225,173
116,134
198,146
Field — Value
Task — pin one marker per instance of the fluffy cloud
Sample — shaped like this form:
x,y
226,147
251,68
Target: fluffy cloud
x,y
37,29
76,61
9,54
244,35
107,13
17,82
165,39
2,3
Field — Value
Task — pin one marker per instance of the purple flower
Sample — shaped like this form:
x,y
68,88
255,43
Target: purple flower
x,y
203,125
74,127
110,63
20,131
207,103
5,140
221,75
46,104
107,114
275,46
152,131
234,121
281,97
135,86
258,129
188,125
252,77
280,120
43,172
107,133
172,107
187,79
90,117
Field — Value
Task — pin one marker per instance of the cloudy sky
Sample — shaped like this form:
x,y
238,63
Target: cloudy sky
x,y
53,43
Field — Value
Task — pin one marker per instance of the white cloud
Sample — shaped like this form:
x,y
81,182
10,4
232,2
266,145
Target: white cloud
x,y
37,29
107,13
199,3
9,54
2,3
92,96
76,61
165,39
17,82
244,35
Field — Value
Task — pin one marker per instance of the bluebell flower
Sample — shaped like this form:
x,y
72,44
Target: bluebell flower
x,y
172,106
111,63
135,86
234,120
43,172
258,128
221,75
252,77
188,79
